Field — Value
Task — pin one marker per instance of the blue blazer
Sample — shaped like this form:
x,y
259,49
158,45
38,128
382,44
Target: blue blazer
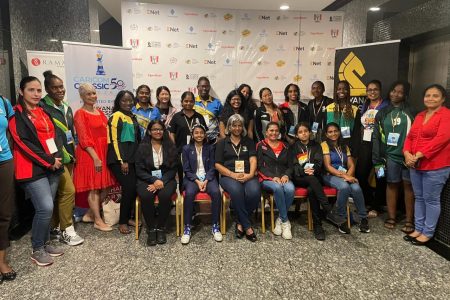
x,y
189,156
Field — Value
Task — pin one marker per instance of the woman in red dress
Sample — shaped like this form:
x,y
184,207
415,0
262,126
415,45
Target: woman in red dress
x,y
91,173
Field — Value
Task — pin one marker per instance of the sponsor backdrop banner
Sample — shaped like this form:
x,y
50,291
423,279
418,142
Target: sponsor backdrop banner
x,y
108,68
175,45
362,63
40,61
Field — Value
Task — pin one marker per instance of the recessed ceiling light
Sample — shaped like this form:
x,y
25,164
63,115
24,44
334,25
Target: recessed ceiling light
x,y
96,30
374,9
54,40
284,7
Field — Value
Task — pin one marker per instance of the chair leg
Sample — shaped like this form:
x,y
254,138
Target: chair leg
x,y
348,214
136,226
263,221
224,215
310,223
272,215
181,228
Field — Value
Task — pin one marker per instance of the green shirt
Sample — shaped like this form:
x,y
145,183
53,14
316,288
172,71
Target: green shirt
x,y
396,122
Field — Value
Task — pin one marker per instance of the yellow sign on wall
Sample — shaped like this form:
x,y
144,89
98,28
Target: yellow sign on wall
x,y
352,69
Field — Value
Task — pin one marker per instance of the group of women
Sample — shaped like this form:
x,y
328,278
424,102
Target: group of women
x,y
239,146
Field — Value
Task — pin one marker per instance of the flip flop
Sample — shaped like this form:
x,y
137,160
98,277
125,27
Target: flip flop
x,y
408,228
107,228
124,231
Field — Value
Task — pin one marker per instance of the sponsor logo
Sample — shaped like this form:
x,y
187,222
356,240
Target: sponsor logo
x,y
134,43
245,32
297,63
154,75
352,69
135,11
100,69
280,63
136,58
262,77
263,33
316,33
209,61
297,78
191,30
172,29
330,77
138,75
279,77
210,30
154,60
210,15
191,46
154,12
297,48
227,46
263,48
193,89
228,62
192,61
329,63
331,48
281,48
229,31
174,75
317,18
194,14
264,18
283,33
211,47
301,33
173,60
228,17
262,62
245,17
192,76
335,18
154,44
173,45
245,62
334,33
283,17
133,27
154,28
316,48
172,13
35,61
316,63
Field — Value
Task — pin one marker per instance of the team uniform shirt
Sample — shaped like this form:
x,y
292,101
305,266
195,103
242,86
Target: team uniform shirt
x,y
338,157
142,116
227,153
396,122
181,125
5,113
210,110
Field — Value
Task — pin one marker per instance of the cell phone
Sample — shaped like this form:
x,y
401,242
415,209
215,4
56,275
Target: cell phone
x,y
380,172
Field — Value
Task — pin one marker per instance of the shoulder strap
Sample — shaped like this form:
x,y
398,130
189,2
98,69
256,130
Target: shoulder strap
x,y
5,104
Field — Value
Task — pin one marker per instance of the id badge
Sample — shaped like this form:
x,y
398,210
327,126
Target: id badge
x,y
291,131
393,138
69,137
51,145
157,174
309,166
201,177
345,132
367,135
188,139
342,169
239,166
380,172
315,127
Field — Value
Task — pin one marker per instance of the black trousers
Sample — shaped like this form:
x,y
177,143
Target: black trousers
x,y
128,185
315,194
148,203
6,200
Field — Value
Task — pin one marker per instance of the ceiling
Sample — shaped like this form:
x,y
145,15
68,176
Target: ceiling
x,y
113,6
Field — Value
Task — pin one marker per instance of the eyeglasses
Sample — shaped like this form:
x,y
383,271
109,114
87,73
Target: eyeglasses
x,y
156,130
373,90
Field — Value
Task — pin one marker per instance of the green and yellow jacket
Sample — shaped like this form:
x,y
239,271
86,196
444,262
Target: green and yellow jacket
x,y
123,138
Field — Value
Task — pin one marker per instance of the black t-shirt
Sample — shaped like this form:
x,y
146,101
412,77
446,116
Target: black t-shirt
x,y
226,153
181,126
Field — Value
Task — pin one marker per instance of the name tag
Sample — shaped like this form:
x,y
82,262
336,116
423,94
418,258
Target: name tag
x,y
367,136
51,145
342,169
239,166
309,166
157,174
188,139
291,130
345,132
69,137
206,120
380,172
315,127
201,177
393,138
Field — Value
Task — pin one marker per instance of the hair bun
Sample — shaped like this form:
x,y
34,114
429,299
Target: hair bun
x,y
47,73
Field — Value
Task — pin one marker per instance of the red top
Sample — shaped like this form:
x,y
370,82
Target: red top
x,y
432,139
44,126
277,150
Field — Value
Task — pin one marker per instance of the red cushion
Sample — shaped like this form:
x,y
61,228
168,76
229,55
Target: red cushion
x,y
301,192
329,191
226,195
200,196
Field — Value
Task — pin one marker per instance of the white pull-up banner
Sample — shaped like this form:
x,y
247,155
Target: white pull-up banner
x,y
107,68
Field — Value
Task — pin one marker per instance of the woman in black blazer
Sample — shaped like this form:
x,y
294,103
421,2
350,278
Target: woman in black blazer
x,y
155,170
198,166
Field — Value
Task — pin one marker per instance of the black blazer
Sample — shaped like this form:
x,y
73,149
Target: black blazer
x,y
144,164
190,161
315,157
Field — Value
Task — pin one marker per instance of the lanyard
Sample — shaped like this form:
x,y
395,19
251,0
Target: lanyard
x,y
158,155
340,154
189,125
199,157
307,151
237,152
394,121
316,113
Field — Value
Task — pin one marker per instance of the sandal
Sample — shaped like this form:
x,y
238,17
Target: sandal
x,y
390,223
408,228
372,214
124,230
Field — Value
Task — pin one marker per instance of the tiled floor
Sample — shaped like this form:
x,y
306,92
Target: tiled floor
x,y
378,265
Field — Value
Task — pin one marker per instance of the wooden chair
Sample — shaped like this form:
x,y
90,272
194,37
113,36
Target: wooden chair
x,y
175,199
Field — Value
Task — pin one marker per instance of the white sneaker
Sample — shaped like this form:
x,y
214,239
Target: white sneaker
x,y
277,230
286,228
216,233
186,237
70,237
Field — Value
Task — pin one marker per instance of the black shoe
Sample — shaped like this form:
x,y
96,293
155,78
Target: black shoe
x,y
343,228
408,238
251,237
415,242
238,233
161,236
319,233
364,226
9,276
151,240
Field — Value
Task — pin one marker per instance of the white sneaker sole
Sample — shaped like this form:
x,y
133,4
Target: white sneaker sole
x,y
41,264
72,243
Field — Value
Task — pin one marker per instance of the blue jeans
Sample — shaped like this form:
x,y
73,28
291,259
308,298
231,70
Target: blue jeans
x,y
42,193
244,197
346,190
283,195
427,186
